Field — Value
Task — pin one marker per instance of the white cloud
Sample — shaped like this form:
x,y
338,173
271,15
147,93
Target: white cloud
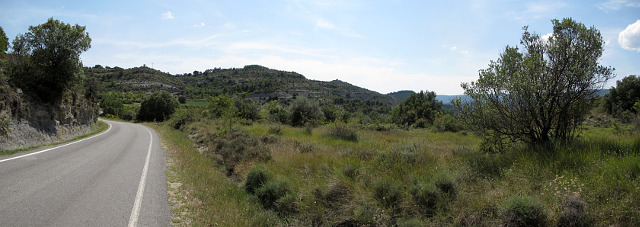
x,y
199,25
617,5
629,38
167,15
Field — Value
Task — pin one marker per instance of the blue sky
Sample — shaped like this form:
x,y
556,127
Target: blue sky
x,y
384,46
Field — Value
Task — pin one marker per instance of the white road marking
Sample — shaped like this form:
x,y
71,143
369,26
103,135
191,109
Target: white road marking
x,y
53,148
135,213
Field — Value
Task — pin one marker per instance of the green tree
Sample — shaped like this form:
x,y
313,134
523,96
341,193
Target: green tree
x,y
157,107
111,104
221,106
541,93
4,42
304,111
419,109
48,58
624,96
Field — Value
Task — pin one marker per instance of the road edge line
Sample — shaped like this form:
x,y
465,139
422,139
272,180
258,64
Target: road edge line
x,y
135,212
60,146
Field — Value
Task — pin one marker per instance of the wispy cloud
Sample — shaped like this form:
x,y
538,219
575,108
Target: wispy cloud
x,y
538,10
322,23
199,25
206,42
167,15
613,5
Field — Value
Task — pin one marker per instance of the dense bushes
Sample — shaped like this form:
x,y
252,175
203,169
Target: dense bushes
x,y
343,131
305,112
524,211
418,110
272,193
157,107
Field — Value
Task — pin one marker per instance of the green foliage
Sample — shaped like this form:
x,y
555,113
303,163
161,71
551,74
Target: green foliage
x,y
343,131
387,192
257,176
574,213
446,183
275,113
490,165
541,93
183,116
524,211
417,110
157,107
47,58
447,123
111,104
4,42
624,97
246,109
426,196
235,146
182,100
272,191
221,106
305,112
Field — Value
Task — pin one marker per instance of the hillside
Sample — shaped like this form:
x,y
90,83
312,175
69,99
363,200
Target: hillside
x,y
259,83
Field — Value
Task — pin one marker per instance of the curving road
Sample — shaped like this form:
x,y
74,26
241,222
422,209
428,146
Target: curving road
x,y
115,178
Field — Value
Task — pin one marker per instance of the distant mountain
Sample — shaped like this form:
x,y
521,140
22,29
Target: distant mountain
x,y
257,82
401,95
404,94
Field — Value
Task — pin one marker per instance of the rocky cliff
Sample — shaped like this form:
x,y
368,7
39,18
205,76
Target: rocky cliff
x,y
26,122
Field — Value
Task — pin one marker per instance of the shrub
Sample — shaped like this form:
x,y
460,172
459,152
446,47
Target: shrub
x,y
447,123
343,131
275,130
270,192
275,113
181,117
574,212
256,177
418,110
305,112
446,183
425,195
304,147
246,109
157,107
387,192
489,165
524,211
238,145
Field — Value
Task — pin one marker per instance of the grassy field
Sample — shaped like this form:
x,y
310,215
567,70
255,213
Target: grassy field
x,y
265,175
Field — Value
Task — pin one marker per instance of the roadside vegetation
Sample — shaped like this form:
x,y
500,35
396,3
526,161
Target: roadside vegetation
x,y
306,164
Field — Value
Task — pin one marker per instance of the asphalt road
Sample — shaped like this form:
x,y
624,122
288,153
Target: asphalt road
x,y
115,178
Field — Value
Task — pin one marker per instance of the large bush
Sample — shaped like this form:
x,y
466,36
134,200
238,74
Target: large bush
x,y
524,211
157,107
305,112
418,110
624,96
542,92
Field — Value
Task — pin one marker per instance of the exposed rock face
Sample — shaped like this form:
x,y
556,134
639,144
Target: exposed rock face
x,y
29,123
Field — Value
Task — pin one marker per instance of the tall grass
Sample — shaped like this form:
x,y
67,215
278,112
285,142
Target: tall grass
x,y
422,177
